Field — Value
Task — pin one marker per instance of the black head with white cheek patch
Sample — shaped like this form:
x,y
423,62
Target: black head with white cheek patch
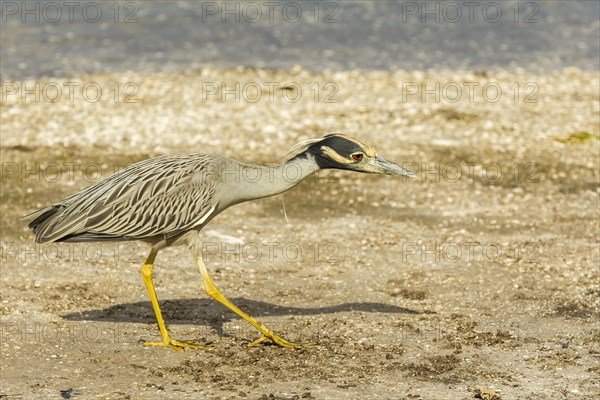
x,y
340,151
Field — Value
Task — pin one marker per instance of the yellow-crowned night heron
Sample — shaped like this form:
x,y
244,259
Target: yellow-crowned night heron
x,y
167,200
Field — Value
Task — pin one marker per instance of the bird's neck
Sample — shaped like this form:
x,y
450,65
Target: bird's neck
x,y
265,181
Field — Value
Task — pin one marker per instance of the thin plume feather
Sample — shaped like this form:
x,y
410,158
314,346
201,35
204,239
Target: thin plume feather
x,y
300,148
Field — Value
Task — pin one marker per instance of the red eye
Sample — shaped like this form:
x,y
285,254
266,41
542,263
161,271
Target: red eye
x,y
357,156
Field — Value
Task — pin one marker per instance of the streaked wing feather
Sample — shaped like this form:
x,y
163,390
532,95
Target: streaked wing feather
x,y
161,196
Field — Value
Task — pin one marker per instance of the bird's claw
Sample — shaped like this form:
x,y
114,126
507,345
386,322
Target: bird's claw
x,y
280,342
176,345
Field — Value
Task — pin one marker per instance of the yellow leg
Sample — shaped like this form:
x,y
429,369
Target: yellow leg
x,y
216,294
167,341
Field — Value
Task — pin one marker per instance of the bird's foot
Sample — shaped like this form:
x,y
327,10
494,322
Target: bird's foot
x,y
176,345
279,341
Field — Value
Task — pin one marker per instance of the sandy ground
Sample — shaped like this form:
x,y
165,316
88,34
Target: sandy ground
x,y
480,275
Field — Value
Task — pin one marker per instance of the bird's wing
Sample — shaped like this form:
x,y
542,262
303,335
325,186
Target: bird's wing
x,y
161,196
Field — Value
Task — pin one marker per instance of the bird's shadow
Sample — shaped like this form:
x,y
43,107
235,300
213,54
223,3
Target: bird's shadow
x,y
211,313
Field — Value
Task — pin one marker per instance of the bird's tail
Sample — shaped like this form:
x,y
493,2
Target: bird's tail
x,y
42,220
46,221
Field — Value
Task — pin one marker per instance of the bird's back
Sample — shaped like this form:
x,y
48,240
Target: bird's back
x,y
162,196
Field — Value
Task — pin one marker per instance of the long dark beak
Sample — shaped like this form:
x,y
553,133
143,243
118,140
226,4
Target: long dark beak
x,y
379,165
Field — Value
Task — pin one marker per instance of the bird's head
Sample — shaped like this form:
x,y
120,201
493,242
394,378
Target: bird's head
x,y
341,151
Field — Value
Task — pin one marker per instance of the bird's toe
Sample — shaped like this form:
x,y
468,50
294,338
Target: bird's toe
x,y
177,345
